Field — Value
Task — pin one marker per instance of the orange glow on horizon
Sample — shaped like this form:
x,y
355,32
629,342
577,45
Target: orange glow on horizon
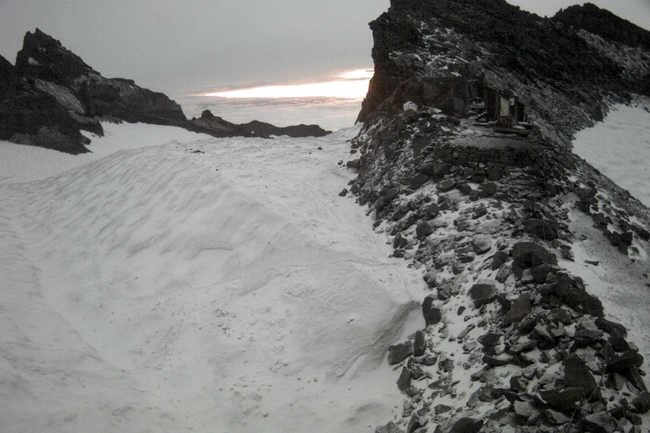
x,y
350,85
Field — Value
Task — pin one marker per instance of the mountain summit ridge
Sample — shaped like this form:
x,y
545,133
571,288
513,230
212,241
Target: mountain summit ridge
x,y
464,160
51,94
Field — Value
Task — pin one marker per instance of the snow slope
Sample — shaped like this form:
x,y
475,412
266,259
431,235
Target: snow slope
x,y
198,284
620,148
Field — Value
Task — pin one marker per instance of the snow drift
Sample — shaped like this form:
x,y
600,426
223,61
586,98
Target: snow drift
x,y
210,285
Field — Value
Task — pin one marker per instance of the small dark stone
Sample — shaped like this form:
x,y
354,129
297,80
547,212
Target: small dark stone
x,y
569,291
633,375
432,315
400,352
497,361
467,425
559,315
622,363
446,185
529,254
404,380
490,339
563,399
542,229
618,342
642,402
494,173
576,374
433,210
483,294
399,241
498,259
343,192
609,326
479,212
518,384
464,188
528,323
440,170
519,309
391,427
544,338
586,337
419,343
423,230
600,422
592,305
488,189
481,244
540,272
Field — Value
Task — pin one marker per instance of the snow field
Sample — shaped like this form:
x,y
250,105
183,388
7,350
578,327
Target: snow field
x,y
620,147
196,285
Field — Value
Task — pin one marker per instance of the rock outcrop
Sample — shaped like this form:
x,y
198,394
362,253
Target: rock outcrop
x,y
208,122
465,161
51,95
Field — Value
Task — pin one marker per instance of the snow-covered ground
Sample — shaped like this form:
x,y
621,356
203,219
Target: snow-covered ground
x,y
620,148
175,282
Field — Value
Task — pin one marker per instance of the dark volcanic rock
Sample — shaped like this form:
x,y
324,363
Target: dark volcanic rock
x,y
51,95
563,399
542,229
642,402
432,315
623,362
600,422
518,310
464,63
576,374
529,255
467,425
400,352
483,293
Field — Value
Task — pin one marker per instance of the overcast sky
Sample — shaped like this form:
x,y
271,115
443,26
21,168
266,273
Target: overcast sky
x,y
180,47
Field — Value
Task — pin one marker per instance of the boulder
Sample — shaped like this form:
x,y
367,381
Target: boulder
x,y
518,310
563,399
467,425
490,339
432,315
400,352
419,343
423,230
446,185
529,254
622,363
404,380
609,326
543,229
391,427
483,293
576,374
481,244
600,422
642,402
498,259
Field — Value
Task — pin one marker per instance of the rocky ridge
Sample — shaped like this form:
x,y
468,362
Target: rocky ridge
x,y
513,340
51,95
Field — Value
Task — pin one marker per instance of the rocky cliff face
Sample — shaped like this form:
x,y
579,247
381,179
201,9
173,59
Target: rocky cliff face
x,y
465,161
51,95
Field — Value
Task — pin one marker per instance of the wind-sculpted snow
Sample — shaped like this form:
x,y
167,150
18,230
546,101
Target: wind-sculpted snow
x,y
218,285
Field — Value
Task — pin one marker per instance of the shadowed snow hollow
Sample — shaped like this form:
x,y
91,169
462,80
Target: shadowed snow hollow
x,y
215,285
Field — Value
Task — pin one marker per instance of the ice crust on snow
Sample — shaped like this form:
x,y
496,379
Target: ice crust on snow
x,y
197,284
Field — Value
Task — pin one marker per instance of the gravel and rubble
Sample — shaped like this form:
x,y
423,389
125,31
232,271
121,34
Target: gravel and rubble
x,y
514,341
